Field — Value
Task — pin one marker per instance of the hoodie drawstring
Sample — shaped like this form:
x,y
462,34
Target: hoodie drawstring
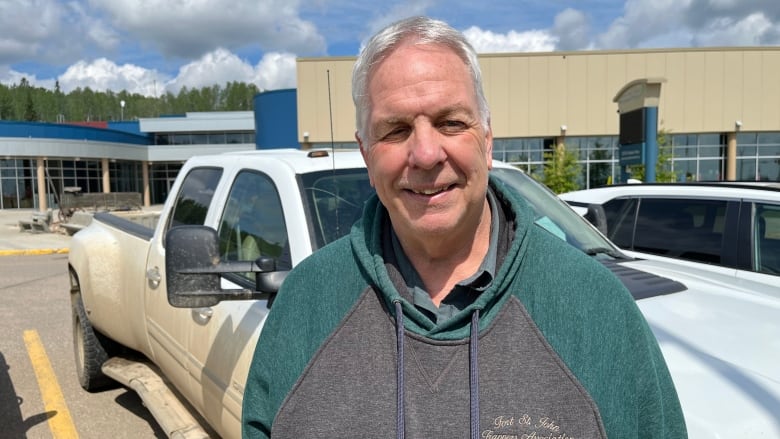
x,y
473,372
399,372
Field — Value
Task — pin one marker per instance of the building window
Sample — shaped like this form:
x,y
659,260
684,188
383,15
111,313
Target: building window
x,y
211,138
161,178
18,184
758,156
698,157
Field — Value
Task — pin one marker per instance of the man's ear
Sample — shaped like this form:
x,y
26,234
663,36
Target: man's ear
x,y
360,144
489,147
364,153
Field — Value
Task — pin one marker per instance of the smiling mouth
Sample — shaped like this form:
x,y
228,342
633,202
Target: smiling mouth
x,y
429,192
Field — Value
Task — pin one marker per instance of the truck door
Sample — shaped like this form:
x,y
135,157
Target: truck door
x,y
168,327
223,337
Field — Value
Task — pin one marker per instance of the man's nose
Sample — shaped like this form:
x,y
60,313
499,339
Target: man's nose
x,y
426,148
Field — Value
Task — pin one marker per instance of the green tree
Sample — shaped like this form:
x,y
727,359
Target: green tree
x,y
22,101
561,170
30,115
6,107
663,166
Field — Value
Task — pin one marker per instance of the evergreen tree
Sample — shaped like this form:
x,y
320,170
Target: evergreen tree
x,y
30,115
663,165
22,101
561,170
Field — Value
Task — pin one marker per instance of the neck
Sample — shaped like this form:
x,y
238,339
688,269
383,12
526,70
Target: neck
x,y
442,262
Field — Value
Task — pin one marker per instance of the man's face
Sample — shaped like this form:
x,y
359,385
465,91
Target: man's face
x,y
427,153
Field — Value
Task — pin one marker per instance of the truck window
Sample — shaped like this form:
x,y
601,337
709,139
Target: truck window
x,y
686,229
252,223
334,201
192,202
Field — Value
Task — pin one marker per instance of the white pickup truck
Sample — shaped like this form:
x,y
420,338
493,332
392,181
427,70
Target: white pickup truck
x,y
175,312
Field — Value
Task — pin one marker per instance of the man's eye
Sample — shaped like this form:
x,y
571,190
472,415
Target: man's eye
x,y
452,126
395,134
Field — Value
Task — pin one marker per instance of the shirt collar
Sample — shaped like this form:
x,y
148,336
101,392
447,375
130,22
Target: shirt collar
x,y
465,291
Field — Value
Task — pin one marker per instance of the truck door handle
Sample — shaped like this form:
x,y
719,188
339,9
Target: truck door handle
x,y
202,315
153,274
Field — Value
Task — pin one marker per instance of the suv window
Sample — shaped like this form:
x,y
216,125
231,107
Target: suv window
x,y
192,203
621,214
252,223
767,238
684,229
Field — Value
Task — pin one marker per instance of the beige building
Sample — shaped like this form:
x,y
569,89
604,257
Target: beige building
x,y
720,107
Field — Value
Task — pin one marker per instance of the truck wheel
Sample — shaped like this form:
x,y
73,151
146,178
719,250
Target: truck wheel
x,y
88,349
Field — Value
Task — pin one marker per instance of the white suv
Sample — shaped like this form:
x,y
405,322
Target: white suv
x,y
729,230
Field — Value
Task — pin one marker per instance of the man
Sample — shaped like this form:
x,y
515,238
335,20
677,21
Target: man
x,y
441,315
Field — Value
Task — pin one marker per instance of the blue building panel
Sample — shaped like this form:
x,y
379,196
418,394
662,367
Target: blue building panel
x,y
276,119
69,132
127,126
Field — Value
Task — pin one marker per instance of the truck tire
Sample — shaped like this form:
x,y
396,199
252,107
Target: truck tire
x,y
89,350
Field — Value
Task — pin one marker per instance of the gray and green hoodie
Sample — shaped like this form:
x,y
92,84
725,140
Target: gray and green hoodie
x,y
554,348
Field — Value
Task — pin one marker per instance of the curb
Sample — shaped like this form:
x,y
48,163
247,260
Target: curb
x,y
33,252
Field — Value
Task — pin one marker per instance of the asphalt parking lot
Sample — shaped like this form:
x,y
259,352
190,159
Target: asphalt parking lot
x,y
15,241
40,397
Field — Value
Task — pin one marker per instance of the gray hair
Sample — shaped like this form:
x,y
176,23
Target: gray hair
x,y
420,30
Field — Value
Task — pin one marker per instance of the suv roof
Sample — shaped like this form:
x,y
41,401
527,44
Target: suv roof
x,y
720,190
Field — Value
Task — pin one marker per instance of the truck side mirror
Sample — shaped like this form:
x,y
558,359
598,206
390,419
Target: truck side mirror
x,y
193,270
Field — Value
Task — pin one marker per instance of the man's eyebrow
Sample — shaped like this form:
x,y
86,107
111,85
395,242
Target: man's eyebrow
x,y
454,109
443,112
392,120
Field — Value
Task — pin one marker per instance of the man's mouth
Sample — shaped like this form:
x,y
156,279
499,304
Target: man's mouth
x,y
429,192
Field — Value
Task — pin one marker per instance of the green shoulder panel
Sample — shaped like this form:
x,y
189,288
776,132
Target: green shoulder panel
x,y
595,326
308,308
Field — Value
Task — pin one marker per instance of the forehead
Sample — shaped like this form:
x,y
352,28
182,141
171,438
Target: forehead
x,y
412,56
414,73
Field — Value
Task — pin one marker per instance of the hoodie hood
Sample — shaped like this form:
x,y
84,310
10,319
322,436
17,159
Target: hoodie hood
x,y
370,235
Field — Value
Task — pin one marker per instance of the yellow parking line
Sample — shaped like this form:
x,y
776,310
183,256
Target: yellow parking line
x,y
60,424
34,252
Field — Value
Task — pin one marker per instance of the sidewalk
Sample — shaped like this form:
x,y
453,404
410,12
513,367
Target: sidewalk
x,y
14,241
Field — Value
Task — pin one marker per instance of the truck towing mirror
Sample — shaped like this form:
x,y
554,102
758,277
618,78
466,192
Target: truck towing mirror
x,y
193,270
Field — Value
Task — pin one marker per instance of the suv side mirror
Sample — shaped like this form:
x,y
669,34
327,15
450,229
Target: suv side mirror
x,y
193,270
598,217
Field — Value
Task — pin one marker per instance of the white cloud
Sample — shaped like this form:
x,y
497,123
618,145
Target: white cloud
x,y
755,29
399,11
643,20
190,28
151,46
571,27
12,77
96,30
686,23
485,41
274,71
102,74
50,31
26,26
217,67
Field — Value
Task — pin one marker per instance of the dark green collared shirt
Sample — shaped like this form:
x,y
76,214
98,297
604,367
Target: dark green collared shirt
x,y
465,291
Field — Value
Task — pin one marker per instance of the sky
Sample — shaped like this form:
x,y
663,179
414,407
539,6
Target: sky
x,y
152,47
